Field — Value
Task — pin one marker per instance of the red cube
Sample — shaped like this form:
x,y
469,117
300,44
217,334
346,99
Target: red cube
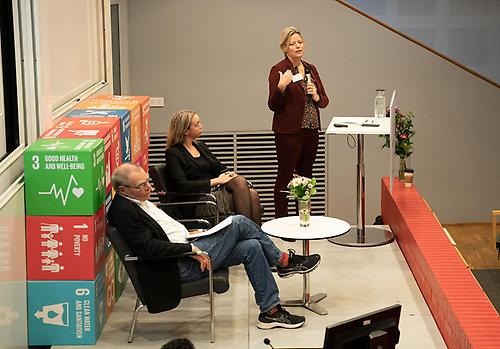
x,y
65,247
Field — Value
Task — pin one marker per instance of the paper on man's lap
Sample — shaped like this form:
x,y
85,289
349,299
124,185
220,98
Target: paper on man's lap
x,y
200,233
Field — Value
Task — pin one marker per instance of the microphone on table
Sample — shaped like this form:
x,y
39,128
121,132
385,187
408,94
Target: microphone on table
x,y
267,341
307,71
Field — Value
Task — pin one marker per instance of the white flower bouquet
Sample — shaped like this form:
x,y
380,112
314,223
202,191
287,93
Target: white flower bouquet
x,y
302,188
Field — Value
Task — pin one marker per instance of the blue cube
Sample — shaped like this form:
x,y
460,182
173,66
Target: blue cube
x,y
66,312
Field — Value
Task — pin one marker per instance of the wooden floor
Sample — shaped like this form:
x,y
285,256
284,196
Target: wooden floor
x,y
474,242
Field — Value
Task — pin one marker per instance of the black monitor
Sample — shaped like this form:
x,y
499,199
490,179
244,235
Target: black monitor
x,y
375,330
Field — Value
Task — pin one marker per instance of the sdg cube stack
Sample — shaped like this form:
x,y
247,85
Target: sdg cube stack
x,y
107,128
134,115
65,236
74,276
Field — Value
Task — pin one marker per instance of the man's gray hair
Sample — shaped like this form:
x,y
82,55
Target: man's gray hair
x,y
122,173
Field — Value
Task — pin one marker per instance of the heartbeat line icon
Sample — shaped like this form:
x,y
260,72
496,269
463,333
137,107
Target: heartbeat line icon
x,y
59,192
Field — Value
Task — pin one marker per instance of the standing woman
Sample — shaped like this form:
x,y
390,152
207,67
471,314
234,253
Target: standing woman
x,y
192,168
295,96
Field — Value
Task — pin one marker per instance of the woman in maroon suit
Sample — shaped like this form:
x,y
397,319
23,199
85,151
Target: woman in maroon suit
x,y
295,96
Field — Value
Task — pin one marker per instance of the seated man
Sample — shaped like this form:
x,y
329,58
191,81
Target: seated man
x,y
151,233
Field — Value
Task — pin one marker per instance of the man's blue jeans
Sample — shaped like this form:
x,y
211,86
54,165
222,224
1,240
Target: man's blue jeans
x,y
242,242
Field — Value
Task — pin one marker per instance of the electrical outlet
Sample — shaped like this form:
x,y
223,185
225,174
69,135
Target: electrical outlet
x,y
156,102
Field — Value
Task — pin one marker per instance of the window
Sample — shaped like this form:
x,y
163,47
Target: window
x,y
3,148
9,121
71,52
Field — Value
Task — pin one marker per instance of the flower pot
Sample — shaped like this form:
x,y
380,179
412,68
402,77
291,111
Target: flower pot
x,y
304,212
408,177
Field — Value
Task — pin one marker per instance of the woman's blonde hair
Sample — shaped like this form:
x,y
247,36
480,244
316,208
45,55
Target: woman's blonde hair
x,y
286,33
180,123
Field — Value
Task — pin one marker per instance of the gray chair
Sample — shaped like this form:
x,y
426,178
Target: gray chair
x,y
216,281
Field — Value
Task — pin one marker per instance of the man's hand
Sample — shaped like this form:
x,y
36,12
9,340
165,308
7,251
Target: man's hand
x,y
203,259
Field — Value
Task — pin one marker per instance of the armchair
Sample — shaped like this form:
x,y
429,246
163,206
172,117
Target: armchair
x,y
216,281
181,206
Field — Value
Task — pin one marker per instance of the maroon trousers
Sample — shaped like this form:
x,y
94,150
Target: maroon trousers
x,y
296,153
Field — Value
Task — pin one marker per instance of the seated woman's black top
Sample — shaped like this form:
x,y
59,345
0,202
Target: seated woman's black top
x,y
187,174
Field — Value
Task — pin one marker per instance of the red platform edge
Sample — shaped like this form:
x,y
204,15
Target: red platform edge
x,y
461,309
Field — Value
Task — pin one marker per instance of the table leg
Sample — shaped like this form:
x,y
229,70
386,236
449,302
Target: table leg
x,y
362,236
307,301
305,287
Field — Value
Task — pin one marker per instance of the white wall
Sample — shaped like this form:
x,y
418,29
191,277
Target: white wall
x,y
215,57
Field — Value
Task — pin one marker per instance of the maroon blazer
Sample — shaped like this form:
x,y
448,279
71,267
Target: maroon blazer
x,y
288,107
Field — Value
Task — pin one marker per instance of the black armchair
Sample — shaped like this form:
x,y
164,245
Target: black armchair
x,y
217,281
182,206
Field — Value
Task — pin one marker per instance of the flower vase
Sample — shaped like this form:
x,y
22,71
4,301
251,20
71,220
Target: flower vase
x,y
304,212
402,168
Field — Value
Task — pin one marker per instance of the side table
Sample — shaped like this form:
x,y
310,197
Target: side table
x,y
320,228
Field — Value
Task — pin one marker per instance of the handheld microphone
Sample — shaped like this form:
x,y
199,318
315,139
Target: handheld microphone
x,y
267,341
307,71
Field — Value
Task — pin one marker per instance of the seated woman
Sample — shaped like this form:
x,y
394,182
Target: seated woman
x,y
192,168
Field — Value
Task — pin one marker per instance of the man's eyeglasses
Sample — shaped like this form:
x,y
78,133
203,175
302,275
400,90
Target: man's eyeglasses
x,y
140,186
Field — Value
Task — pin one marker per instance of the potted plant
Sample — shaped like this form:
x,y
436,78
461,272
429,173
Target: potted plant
x,y
403,138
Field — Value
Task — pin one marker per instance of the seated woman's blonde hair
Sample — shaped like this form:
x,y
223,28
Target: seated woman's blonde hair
x,y
180,123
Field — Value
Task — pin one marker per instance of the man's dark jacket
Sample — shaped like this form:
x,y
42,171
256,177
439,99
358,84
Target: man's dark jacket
x,y
158,277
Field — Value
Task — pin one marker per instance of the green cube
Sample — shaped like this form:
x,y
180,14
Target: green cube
x,y
64,176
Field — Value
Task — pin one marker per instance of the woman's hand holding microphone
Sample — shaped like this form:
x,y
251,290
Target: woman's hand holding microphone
x,y
312,91
287,77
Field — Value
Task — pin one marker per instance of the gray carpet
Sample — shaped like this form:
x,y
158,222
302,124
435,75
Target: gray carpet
x,y
489,279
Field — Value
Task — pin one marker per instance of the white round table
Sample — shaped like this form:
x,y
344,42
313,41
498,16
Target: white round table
x,y
320,228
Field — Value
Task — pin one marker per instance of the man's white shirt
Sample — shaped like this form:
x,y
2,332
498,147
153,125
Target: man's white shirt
x,y
175,231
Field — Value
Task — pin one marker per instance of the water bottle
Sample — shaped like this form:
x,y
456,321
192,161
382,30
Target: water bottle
x,y
380,103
